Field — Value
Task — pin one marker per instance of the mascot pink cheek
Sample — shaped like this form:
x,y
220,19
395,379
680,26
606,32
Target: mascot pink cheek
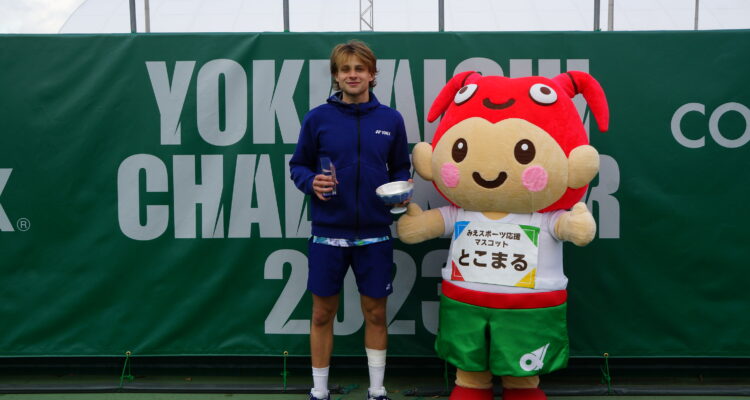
x,y
534,178
450,175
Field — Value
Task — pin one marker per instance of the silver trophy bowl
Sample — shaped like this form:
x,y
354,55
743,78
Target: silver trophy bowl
x,y
394,193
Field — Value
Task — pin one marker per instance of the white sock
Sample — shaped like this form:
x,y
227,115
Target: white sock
x,y
376,365
320,382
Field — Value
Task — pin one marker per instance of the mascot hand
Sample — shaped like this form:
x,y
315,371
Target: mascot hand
x,y
577,225
417,226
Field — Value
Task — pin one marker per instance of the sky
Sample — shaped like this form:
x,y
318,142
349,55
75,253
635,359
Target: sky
x,y
109,16
35,16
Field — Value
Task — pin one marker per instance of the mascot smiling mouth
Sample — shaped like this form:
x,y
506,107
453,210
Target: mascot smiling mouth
x,y
501,177
497,106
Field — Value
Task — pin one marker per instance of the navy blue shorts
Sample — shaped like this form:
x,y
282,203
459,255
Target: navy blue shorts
x,y
372,265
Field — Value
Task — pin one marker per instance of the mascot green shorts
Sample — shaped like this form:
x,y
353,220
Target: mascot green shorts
x,y
506,341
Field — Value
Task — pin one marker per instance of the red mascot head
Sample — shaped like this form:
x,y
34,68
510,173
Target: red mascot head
x,y
512,144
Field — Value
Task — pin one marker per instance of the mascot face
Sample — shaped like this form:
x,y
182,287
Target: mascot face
x,y
512,145
511,165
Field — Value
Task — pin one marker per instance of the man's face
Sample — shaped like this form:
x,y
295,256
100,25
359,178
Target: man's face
x,y
354,80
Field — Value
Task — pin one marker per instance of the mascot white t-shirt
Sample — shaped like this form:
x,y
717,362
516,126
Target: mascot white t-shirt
x,y
491,249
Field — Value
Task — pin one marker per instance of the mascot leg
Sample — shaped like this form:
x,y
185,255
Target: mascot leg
x,y
522,388
472,386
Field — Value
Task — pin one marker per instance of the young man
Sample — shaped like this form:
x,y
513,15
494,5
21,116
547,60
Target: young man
x,y
366,143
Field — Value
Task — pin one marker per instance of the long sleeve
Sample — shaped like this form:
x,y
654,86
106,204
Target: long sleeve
x,y
303,163
399,165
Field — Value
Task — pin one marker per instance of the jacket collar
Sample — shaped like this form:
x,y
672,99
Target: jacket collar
x,y
359,108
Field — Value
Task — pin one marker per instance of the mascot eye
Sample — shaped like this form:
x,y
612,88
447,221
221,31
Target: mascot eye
x,y
542,94
463,95
459,150
524,151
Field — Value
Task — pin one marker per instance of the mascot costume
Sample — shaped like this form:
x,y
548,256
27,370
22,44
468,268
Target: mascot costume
x,y
513,159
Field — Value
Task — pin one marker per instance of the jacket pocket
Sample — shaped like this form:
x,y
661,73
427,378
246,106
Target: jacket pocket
x,y
373,212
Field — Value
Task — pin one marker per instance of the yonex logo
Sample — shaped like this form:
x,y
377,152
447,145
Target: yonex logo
x,y
5,224
534,361
382,132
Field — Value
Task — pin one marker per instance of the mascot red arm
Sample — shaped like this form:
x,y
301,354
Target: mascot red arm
x,y
512,157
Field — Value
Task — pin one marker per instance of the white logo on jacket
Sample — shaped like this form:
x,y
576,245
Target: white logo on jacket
x,y
382,132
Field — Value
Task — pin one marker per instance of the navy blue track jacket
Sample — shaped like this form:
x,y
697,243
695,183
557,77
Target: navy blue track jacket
x,y
367,144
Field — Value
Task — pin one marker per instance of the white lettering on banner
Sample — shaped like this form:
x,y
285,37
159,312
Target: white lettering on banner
x,y
405,103
243,216
484,66
188,195
677,131
235,101
713,125
580,103
195,183
385,78
398,83
271,100
549,67
129,198
297,224
521,68
221,117
352,318
170,98
609,208
403,282
320,82
434,81
279,319
432,264
5,224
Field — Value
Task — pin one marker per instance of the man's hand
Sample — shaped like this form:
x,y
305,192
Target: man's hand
x,y
323,184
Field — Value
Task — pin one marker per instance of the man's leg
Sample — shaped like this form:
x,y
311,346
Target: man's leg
x,y
376,331
376,341
321,341
373,267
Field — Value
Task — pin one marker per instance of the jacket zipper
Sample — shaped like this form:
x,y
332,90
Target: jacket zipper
x,y
359,144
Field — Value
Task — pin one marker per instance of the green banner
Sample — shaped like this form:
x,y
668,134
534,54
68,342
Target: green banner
x,y
146,205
